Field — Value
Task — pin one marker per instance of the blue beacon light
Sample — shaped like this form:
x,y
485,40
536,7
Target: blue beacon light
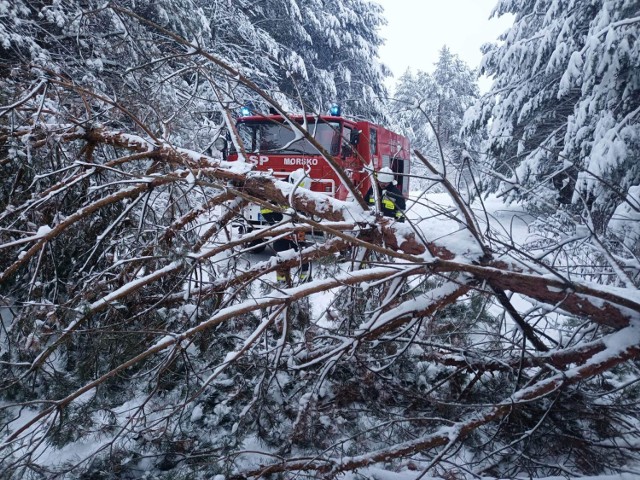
x,y
334,110
245,111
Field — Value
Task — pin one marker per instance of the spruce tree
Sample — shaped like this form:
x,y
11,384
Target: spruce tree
x,y
429,108
562,115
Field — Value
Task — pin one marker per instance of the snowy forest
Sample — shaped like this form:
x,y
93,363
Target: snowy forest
x,y
493,334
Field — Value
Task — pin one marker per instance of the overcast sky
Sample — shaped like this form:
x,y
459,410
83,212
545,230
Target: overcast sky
x,y
417,30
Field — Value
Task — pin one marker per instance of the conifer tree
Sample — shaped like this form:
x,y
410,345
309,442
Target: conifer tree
x,y
563,113
430,108
139,338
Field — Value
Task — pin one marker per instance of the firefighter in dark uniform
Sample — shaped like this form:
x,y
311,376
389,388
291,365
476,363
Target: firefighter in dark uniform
x,y
392,202
293,241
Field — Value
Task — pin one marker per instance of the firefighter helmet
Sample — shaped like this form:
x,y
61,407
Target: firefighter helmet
x,y
385,175
299,177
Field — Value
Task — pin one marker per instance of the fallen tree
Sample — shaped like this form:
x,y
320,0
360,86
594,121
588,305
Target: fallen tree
x,y
135,320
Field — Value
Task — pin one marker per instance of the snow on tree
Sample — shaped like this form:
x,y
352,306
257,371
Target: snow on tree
x,y
430,108
562,115
140,338
352,28
329,47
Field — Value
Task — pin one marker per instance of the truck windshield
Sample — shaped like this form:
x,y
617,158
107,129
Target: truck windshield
x,y
279,138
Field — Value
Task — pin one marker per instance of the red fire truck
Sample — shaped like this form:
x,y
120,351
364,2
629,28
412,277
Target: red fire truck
x,y
274,145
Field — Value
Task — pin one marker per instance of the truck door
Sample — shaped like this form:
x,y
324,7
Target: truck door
x,y
397,165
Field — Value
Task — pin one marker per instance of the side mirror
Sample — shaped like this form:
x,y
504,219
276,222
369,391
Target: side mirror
x,y
354,138
221,144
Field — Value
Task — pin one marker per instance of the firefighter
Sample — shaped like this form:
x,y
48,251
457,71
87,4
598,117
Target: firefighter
x,y
293,241
391,199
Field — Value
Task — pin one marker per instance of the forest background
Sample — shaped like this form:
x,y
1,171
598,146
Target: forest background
x,y
139,337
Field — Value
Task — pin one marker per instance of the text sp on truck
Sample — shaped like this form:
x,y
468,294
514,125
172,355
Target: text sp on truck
x,y
271,144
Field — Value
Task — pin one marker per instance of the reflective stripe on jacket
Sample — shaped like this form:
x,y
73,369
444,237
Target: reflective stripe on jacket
x,y
387,203
391,201
265,210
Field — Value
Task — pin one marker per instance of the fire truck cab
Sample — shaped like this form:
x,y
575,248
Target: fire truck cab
x,y
276,147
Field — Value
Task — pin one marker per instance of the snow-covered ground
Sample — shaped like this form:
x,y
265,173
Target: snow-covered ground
x,y
436,217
